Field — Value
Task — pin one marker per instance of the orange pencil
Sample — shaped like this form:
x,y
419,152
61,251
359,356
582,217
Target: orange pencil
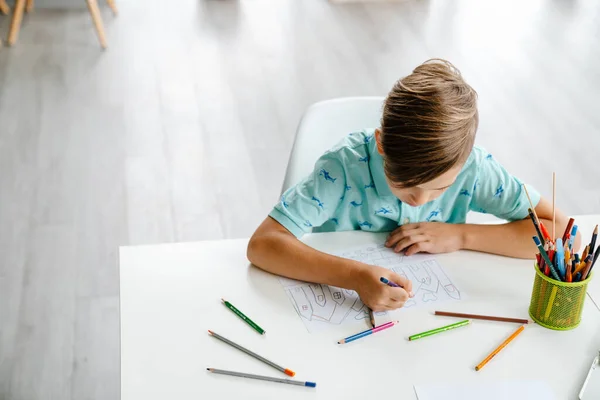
x,y
503,345
582,265
586,269
570,269
585,252
545,232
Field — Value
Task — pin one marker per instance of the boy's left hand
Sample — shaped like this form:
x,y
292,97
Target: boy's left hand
x,y
426,237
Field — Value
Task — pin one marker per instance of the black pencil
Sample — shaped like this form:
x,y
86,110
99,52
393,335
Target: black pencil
x,y
537,226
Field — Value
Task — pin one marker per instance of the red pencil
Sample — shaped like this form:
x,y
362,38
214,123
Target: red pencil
x,y
568,230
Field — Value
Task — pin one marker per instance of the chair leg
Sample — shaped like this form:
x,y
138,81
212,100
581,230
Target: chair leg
x,y
113,6
4,8
29,6
15,23
97,19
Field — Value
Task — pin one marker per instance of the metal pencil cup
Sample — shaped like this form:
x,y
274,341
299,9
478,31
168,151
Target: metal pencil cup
x,y
557,305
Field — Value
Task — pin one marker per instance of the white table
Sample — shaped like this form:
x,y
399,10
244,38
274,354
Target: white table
x,y
170,296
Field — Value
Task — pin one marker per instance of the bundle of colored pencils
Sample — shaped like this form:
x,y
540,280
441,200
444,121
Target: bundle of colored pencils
x,y
556,257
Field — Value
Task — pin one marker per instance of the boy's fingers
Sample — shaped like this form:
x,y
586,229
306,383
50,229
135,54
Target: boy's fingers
x,y
396,304
400,233
398,294
418,248
402,281
408,241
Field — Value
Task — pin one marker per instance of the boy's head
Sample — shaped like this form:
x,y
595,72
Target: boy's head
x,y
427,131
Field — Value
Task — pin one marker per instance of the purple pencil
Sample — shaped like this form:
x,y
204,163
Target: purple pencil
x,y
390,283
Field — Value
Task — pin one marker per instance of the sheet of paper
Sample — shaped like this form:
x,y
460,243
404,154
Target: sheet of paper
x,y
494,390
320,306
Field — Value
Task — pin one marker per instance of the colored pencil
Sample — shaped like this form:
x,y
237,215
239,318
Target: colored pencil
x,y
596,254
545,231
572,236
593,242
372,318
252,354
560,258
367,332
585,252
568,230
499,348
546,258
484,317
583,264
439,330
586,270
553,205
536,226
570,270
261,377
390,283
243,317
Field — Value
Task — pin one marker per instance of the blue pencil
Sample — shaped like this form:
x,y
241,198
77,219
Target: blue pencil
x,y
368,332
573,234
560,258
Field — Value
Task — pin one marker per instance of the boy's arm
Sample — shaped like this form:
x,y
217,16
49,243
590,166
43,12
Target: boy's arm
x,y
274,249
513,239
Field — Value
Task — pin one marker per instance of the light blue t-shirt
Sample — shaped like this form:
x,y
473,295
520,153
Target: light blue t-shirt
x,y
348,191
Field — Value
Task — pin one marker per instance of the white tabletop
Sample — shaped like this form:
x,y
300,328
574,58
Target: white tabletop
x,y
170,297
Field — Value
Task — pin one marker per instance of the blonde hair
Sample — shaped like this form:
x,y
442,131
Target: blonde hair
x,y
429,123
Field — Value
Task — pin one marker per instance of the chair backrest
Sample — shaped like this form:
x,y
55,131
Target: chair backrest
x,y
323,125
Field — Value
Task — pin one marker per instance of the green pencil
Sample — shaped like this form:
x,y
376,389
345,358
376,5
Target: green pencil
x,y
244,317
438,330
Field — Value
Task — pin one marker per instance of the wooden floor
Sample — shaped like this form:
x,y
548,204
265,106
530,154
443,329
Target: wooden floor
x,y
181,130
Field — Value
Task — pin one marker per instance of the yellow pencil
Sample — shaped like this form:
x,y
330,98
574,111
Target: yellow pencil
x,y
503,345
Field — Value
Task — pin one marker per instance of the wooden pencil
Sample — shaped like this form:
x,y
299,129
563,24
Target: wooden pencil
x,y
372,318
484,317
531,204
499,348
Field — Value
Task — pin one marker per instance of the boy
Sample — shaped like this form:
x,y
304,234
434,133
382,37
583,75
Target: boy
x,y
416,176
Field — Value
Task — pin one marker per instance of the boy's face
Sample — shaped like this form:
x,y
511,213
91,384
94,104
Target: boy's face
x,y
421,194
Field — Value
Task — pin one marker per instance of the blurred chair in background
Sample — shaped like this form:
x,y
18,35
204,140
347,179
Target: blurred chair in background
x,y
27,5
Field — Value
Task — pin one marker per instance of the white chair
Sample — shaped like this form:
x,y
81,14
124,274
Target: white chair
x,y
323,125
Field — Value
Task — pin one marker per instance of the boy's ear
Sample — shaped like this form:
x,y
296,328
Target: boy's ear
x,y
378,140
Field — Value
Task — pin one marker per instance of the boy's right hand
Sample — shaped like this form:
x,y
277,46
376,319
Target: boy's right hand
x,y
377,295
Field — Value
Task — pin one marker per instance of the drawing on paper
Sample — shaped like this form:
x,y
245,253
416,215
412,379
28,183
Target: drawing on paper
x,y
322,305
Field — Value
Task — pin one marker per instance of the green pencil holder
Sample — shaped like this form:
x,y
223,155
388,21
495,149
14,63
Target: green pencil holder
x,y
557,305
